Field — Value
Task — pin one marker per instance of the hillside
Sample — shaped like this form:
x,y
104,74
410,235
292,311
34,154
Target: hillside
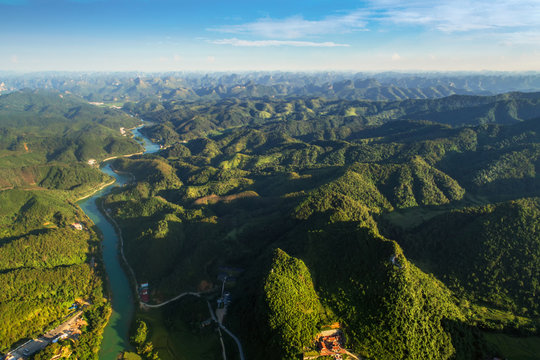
x,y
61,126
328,119
403,222
50,252
43,131
41,276
487,254
243,178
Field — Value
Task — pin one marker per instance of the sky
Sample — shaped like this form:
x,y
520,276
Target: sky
x,y
292,35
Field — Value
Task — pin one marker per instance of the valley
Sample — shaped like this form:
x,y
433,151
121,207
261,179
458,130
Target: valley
x,y
247,227
277,180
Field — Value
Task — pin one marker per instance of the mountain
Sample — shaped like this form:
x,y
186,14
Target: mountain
x,y
328,119
405,228
122,87
357,206
487,253
41,131
49,249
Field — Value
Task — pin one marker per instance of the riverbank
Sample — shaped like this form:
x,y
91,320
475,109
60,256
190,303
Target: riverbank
x,y
118,231
96,190
122,156
121,279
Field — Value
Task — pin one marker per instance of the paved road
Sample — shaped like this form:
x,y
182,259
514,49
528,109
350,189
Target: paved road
x,y
170,300
223,352
240,350
33,346
238,343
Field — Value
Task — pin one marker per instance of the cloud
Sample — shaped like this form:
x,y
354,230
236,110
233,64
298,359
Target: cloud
x,y
210,59
521,38
14,59
298,27
264,43
460,15
396,57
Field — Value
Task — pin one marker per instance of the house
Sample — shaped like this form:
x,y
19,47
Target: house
x,y
143,293
77,226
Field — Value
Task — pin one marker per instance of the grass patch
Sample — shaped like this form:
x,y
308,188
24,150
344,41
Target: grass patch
x,y
515,348
176,333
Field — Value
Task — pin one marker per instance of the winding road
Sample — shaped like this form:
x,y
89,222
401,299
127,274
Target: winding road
x,y
146,305
118,335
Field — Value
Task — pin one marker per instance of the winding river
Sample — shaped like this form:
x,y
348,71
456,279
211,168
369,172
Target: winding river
x,y
115,336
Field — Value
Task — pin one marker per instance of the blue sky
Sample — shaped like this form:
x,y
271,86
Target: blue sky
x,y
185,35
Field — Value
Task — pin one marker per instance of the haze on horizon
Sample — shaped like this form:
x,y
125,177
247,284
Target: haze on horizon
x,y
167,35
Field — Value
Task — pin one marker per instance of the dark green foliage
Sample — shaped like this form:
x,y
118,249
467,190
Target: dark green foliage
x,y
389,309
320,188
33,212
45,263
144,348
319,179
32,299
290,305
489,254
45,249
74,177
330,119
49,352
43,126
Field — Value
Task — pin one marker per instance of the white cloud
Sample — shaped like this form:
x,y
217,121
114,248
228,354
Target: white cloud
x,y
298,27
177,58
521,38
396,57
264,43
210,59
460,15
14,59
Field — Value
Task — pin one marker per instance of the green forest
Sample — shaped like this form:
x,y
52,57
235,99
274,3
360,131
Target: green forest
x,y
47,264
413,224
410,222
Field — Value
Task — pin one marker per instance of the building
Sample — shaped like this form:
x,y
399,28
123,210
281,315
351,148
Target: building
x,y
77,226
143,292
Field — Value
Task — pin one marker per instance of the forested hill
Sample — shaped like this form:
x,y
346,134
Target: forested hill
x,y
50,109
42,131
352,193
329,118
50,252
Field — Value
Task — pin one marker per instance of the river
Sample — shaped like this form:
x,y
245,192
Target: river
x,y
115,336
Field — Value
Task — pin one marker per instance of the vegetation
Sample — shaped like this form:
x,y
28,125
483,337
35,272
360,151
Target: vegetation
x,y
326,119
412,223
46,263
243,178
288,290
46,138
145,349
487,254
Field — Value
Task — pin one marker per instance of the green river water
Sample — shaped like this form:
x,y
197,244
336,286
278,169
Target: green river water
x,y
115,336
